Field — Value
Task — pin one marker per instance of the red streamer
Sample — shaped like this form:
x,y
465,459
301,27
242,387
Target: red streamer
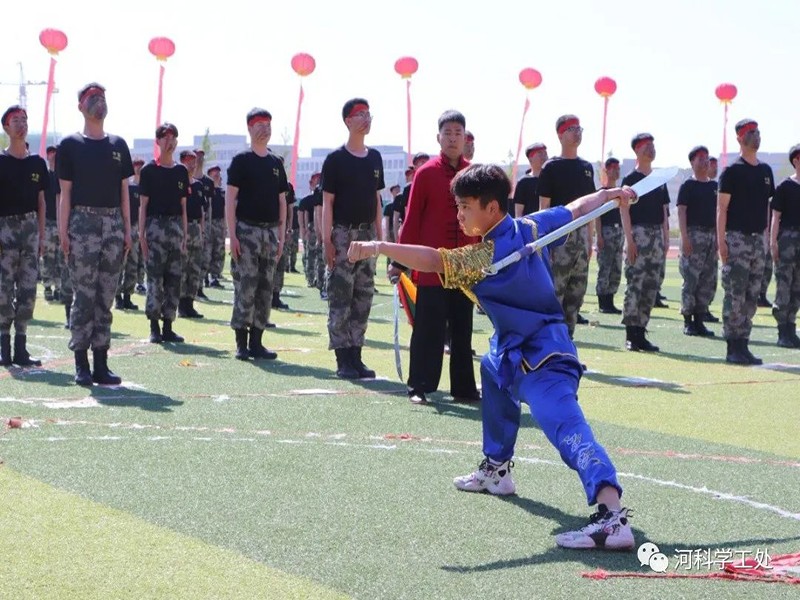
x,y
408,116
724,157
156,151
48,97
519,142
296,144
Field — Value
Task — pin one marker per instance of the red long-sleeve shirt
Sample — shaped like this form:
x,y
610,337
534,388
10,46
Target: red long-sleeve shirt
x,y
431,214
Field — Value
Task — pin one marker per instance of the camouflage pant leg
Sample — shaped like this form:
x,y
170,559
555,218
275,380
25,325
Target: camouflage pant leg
x,y
305,262
253,273
787,277
699,271
127,279
570,268
66,284
51,271
96,246
350,290
321,273
19,268
741,280
280,270
164,266
294,238
767,277
643,275
192,266
609,261
140,267
215,230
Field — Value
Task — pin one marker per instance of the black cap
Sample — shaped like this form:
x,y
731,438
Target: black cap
x,y
693,152
10,111
640,137
744,123
611,161
166,128
794,152
535,147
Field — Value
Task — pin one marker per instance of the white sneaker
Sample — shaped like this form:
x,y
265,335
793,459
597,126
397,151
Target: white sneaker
x,y
495,479
607,530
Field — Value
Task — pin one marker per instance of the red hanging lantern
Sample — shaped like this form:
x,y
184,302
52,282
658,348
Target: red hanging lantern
x,y
303,64
530,78
53,39
406,66
162,48
726,92
605,86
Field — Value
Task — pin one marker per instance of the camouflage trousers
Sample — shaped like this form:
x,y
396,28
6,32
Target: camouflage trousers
x,y
96,248
307,264
570,269
741,280
609,261
787,277
164,266
192,269
19,268
130,269
350,290
699,271
285,263
52,258
643,276
215,246
767,277
253,273
293,241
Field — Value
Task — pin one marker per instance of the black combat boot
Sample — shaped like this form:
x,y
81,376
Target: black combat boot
x,y
118,304
700,325
736,354
241,344
155,332
256,349
21,356
127,304
277,302
689,327
5,349
754,360
636,340
363,371
67,312
167,334
102,375
83,374
344,366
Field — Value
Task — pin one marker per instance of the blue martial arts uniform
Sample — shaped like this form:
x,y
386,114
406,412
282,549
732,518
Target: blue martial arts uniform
x,y
531,357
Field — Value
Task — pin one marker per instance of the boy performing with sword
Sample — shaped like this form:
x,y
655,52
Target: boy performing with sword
x,y
531,357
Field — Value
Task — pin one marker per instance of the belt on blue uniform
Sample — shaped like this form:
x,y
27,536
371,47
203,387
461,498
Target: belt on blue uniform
x,y
360,226
97,210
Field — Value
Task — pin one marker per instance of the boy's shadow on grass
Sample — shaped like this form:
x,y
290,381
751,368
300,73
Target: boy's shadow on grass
x,y
122,397
41,375
594,559
194,349
324,375
632,382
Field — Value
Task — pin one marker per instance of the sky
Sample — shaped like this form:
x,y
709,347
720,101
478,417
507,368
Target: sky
x,y
666,57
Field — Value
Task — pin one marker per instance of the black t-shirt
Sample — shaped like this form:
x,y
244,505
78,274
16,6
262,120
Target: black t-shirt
x,y
218,204
291,208
750,188
196,201
96,169
787,201
649,210
526,194
355,182
401,202
164,187
21,180
565,179
306,204
388,211
133,196
261,180
50,195
208,192
610,218
700,200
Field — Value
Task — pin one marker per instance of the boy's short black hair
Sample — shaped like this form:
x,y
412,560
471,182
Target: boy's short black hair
x,y
712,159
350,104
611,161
394,187
694,152
165,128
51,149
487,183
794,152
452,116
10,111
257,112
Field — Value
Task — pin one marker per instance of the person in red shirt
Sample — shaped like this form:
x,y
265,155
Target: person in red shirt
x,y
431,220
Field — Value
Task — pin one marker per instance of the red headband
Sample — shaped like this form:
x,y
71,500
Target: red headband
x,y
357,109
12,113
745,129
640,143
535,149
567,124
92,91
258,119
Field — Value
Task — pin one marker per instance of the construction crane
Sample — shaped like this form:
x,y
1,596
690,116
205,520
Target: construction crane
x,y
23,86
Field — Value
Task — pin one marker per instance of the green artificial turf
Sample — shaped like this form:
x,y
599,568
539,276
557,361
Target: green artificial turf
x,y
279,478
